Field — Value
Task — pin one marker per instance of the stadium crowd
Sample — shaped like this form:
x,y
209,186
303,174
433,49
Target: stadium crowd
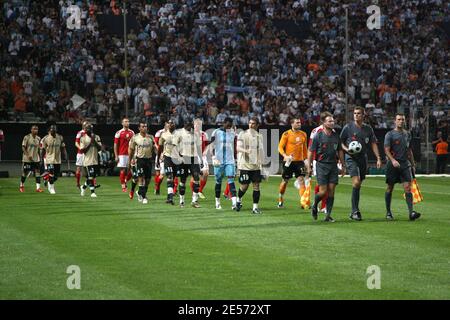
x,y
214,59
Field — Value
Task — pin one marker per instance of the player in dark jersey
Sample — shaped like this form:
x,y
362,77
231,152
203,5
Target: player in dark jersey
x,y
400,165
357,163
327,146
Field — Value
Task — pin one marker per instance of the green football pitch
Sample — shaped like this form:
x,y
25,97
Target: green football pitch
x,y
126,250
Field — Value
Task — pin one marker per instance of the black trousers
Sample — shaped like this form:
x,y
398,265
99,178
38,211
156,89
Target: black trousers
x,y
441,163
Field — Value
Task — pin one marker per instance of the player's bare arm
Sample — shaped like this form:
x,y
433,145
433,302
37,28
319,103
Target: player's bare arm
x,y
387,151
341,159
116,152
376,152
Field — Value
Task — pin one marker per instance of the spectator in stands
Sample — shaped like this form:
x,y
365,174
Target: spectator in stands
x,y
211,50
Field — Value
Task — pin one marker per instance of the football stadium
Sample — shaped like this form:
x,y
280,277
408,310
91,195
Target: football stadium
x,y
224,150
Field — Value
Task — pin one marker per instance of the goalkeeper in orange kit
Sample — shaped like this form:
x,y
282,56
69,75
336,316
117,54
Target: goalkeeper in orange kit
x,y
293,149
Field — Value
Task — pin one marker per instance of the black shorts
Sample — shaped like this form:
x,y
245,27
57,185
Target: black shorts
x,y
170,168
144,167
247,176
54,169
327,173
30,166
398,175
356,167
186,169
134,172
296,168
92,171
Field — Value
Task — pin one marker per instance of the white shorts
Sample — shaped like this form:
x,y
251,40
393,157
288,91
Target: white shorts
x,y
123,162
80,159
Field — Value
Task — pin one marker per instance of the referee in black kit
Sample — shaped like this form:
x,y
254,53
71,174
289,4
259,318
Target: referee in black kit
x,y
400,165
326,145
356,164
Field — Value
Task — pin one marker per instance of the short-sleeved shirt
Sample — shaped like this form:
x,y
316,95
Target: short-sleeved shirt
x,y
204,138
252,141
91,155
224,145
143,146
122,139
169,142
325,146
364,135
190,143
78,137
31,145
52,146
399,142
294,143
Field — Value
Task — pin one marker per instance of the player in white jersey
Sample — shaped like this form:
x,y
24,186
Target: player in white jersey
x,y
204,170
80,155
190,148
250,148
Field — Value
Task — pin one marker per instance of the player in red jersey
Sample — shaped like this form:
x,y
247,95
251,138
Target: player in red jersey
x,y
159,165
121,141
316,130
80,154
205,167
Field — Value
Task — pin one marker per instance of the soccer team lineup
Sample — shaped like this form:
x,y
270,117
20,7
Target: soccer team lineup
x,y
181,157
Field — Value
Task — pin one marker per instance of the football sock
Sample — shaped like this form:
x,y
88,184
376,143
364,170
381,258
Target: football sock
x,y
355,199
232,189
217,190
202,184
387,199
240,194
409,201
22,180
91,185
78,177
122,177
316,201
227,190
256,196
182,189
195,186
330,202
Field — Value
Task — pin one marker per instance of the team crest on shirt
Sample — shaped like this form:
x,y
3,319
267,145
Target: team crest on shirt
x,y
335,146
366,140
397,141
297,139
